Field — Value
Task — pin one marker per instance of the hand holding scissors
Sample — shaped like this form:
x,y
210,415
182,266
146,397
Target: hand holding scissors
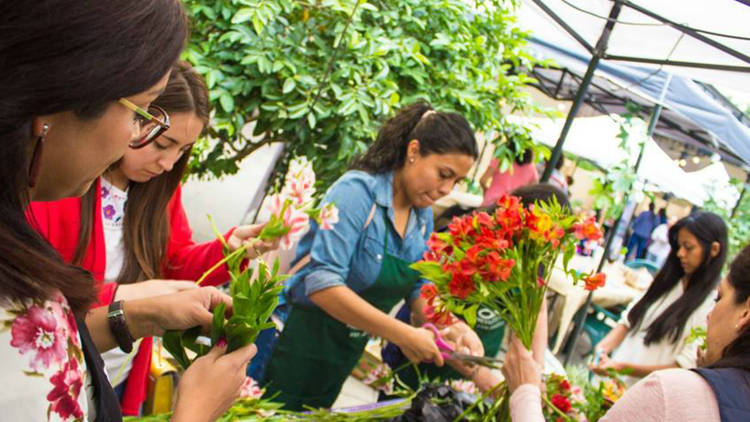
x,y
449,352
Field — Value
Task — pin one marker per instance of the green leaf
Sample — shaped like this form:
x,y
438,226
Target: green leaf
x,y
172,341
311,120
470,314
227,102
289,85
257,24
431,271
217,324
243,15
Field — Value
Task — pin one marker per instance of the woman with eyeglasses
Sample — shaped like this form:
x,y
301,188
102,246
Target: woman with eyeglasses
x,y
652,334
74,96
130,229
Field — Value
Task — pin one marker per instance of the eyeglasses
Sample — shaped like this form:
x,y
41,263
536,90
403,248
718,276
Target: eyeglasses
x,y
153,123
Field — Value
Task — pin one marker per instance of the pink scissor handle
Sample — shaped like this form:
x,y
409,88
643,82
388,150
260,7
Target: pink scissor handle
x,y
446,350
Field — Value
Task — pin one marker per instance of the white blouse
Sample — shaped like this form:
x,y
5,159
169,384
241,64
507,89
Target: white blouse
x,y
664,352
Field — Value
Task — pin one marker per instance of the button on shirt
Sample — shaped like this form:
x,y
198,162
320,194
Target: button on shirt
x,y
351,254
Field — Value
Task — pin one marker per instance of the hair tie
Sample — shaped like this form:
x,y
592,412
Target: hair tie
x,y
427,113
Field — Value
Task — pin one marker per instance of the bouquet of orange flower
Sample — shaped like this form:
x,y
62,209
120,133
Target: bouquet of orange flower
x,y
502,261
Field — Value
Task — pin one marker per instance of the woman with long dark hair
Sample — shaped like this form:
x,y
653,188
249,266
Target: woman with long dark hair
x,y
716,391
653,331
130,226
76,82
351,277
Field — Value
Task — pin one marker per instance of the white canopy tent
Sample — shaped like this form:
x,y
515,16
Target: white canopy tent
x,y
721,39
595,139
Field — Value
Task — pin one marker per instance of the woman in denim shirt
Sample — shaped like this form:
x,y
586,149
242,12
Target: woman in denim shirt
x,y
349,278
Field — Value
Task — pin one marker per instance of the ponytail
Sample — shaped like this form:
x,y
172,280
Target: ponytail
x,y
438,132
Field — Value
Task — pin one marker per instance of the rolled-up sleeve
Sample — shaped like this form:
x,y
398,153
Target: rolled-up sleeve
x,y
332,250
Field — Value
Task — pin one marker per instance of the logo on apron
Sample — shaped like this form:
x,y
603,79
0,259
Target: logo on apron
x,y
487,319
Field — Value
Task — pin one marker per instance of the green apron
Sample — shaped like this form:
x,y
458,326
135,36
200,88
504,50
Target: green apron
x,y
316,353
489,327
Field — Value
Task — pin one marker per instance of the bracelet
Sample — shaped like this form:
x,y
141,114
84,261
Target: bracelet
x,y
118,327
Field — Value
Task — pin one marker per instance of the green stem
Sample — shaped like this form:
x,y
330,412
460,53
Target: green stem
x,y
489,393
239,251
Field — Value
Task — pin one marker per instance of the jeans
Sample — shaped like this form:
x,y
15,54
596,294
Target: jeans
x,y
638,244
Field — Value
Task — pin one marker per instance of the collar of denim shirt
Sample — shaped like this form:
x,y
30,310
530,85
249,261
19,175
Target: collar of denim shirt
x,y
384,197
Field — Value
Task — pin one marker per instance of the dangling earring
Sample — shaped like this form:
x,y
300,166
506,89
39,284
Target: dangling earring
x,y
36,156
411,160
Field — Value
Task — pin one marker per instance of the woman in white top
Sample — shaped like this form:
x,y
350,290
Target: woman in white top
x,y
652,333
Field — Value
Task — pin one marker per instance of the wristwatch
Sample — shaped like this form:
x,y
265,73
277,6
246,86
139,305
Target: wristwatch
x,y
116,320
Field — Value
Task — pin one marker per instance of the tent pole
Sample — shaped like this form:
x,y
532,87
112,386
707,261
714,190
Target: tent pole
x,y
613,231
599,51
742,195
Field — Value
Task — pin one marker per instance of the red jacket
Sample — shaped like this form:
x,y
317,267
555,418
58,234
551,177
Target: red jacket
x,y
59,222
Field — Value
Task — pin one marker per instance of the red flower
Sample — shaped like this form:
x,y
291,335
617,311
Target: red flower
x,y
595,281
553,236
564,385
561,402
461,286
587,229
460,228
41,332
430,256
438,246
492,239
64,397
438,316
429,292
472,254
484,220
497,268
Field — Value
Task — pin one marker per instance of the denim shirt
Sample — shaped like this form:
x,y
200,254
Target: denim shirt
x,y
348,255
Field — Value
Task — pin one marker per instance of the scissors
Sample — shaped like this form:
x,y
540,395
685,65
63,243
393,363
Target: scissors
x,y
448,352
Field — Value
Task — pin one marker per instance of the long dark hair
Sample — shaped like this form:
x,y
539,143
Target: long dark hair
x,y
145,225
707,227
67,55
438,132
737,353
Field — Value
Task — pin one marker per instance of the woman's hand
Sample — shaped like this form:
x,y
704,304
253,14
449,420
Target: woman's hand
x,y
520,367
177,311
418,345
463,339
212,383
248,235
151,288
605,363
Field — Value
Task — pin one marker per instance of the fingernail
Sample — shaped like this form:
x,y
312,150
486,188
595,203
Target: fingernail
x,y
222,343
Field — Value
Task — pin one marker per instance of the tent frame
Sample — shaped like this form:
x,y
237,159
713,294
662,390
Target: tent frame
x,y
599,52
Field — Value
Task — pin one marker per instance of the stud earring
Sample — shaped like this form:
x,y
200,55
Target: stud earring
x,y
36,156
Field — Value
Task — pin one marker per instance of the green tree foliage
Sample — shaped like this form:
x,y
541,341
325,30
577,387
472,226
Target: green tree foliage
x,y
738,225
321,75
